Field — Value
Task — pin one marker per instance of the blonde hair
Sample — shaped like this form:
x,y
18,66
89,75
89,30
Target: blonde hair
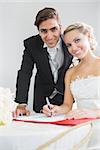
x,y
83,28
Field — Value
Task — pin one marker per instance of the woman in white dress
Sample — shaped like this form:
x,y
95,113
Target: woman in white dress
x,y
82,82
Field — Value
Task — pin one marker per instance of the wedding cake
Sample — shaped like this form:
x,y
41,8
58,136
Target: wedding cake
x,y
7,105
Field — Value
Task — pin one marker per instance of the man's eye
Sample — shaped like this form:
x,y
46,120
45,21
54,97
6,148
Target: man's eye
x,y
53,29
44,31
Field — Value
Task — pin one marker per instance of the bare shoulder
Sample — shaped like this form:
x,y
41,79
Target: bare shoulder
x,y
69,73
98,61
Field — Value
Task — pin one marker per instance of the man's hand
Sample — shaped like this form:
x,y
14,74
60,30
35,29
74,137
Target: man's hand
x,y
21,110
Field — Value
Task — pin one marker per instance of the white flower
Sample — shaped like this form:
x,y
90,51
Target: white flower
x,y
7,105
75,62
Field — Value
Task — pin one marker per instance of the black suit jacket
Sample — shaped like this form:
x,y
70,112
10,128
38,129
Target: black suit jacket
x,y
34,53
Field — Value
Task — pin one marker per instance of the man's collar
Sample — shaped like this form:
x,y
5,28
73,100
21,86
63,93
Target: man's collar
x,y
58,45
45,45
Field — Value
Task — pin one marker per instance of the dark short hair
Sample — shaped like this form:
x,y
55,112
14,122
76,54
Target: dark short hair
x,y
45,14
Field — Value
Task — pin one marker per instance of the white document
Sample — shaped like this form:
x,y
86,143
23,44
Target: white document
x,y
38,117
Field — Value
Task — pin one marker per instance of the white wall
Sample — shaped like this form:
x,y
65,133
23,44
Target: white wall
x,y
98,29
17,23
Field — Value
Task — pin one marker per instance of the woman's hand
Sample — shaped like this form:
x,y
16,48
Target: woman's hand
x,y
48,110
54,110
83,113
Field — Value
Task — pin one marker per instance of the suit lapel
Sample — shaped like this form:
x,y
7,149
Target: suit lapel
x,y
46,64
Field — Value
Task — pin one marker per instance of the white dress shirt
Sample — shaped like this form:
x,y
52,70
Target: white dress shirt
x,y
56,58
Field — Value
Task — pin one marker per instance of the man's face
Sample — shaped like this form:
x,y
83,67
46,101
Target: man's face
x,y
50,32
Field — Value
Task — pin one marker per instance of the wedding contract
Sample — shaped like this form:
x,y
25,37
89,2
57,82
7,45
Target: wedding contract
x,y
58,119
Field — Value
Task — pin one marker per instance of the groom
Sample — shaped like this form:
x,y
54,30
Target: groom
x,y
48,51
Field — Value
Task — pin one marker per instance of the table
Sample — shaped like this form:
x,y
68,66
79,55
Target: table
x,y
35,136
26,136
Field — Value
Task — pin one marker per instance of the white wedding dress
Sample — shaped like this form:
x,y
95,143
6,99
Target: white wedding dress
x,y
86,92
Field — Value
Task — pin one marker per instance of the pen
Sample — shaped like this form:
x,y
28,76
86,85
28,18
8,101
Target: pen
x,y
48,103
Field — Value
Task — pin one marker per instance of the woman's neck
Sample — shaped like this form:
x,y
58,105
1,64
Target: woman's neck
x,y
89,58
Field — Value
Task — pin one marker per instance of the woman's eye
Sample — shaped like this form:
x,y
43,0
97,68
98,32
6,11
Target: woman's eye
x,y
77,40
68,45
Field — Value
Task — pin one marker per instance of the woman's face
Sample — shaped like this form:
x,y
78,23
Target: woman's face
x,y
77,43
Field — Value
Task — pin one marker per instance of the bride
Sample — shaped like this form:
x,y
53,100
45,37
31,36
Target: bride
x,y
82,82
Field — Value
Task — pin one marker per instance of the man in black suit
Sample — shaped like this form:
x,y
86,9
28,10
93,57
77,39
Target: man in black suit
x,y
48,51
